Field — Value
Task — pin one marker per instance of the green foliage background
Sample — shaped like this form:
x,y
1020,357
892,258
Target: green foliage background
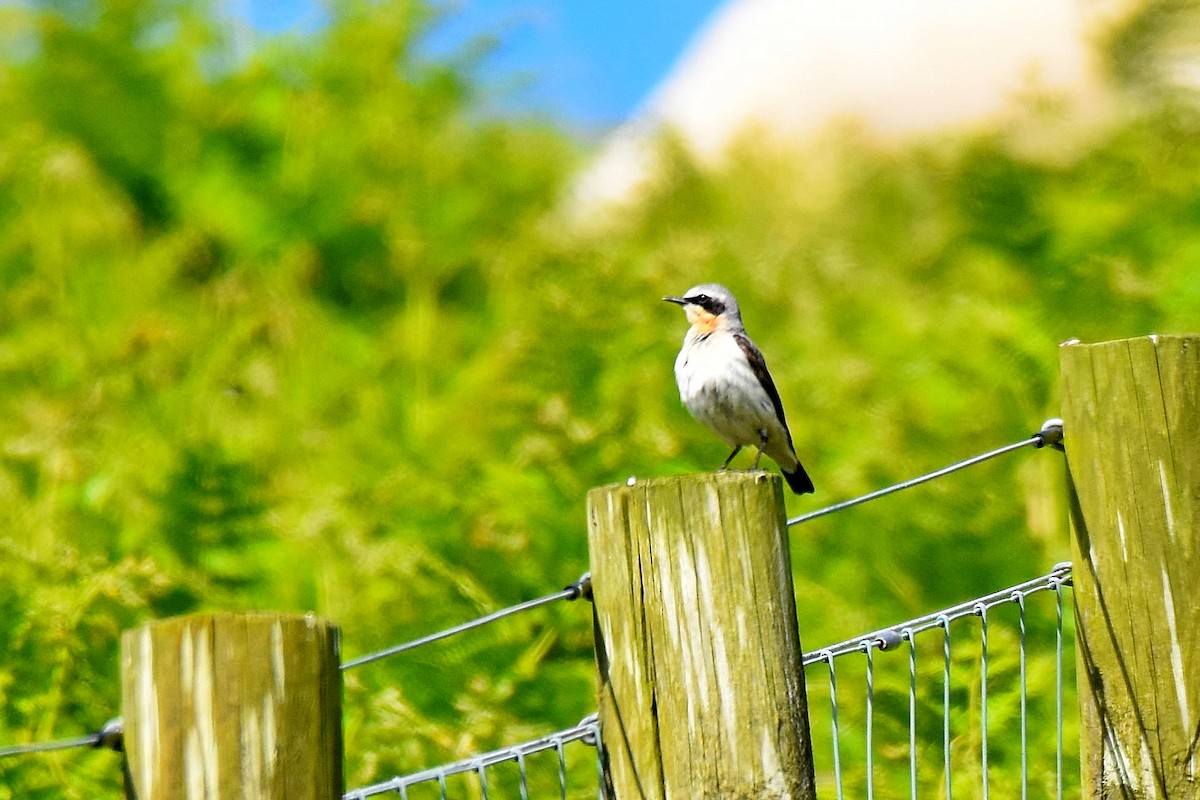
x,y
297,326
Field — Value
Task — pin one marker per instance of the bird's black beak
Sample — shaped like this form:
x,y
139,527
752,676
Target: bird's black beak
x,y
676,300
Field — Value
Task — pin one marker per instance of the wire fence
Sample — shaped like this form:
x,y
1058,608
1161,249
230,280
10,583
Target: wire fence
x,y
574,591
926,707
847,745
1050,435
942,705
537,768
925,721
109,736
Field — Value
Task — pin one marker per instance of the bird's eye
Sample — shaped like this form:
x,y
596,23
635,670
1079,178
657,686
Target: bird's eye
x,y
700,299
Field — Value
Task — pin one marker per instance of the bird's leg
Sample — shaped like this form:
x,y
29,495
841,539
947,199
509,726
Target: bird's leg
x,y
736,450
761,446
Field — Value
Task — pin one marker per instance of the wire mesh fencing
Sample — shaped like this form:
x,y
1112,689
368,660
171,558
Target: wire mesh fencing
x,y
973,701
565,764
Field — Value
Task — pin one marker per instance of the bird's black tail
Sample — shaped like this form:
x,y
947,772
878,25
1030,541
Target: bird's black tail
x,y
799,481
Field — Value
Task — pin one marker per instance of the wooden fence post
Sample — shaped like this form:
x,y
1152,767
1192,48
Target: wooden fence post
x,y
701,685
1131,417
243,706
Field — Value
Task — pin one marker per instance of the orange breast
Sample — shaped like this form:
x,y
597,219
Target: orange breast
x,y
701,320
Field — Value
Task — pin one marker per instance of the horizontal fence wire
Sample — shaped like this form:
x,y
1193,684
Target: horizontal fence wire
x,y
943,711
580,588
90,740
536,769
1050,435
108,737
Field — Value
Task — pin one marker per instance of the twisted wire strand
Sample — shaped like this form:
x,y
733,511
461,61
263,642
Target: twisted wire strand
x,y
581,588
1051,435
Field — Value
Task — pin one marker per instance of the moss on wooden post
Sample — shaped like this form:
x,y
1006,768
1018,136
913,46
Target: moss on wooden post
x,y
241,706
1131,417
701,685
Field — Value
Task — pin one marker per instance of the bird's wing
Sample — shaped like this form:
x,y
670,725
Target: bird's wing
x,y
759,366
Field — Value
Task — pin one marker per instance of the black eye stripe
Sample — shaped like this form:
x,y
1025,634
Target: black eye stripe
x,y
709,304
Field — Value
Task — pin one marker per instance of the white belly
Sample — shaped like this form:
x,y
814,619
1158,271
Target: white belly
x,y
717,385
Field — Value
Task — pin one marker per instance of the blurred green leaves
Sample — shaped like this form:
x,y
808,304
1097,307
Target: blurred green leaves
x,y
214,526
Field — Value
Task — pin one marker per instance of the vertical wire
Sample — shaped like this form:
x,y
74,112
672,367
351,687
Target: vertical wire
x,y
562,768
441,778
523,786
1058,689
1020,600
867,648
944,622
403,792
483,784
912,712
833,708
981,610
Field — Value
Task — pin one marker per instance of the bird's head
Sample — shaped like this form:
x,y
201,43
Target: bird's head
x,y
708,307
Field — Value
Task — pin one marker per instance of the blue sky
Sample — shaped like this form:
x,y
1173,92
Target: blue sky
x,y
586,62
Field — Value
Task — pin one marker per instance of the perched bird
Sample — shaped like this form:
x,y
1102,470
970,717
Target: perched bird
x,y
724,382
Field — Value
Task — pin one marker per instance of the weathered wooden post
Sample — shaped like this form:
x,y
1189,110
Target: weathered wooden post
x,y
243,706
1131,417
701,686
